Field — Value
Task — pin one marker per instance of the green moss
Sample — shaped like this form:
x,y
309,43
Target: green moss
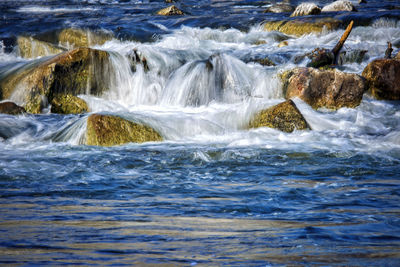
x,y
106,130
284,116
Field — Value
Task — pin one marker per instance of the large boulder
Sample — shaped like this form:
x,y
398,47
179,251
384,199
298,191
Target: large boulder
x,y
107,130
330,88
300,27
340,5
30,47
383,78
80,71
306,9
170,11
68,104
55,42
11,108
284,116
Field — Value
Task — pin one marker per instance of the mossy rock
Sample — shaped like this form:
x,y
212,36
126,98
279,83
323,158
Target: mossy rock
x,y
68,104
30,47
383,78
170,11
73,37
11,108
80,71
300,27
107,130
285,117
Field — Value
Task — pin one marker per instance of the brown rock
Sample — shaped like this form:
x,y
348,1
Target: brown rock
x,y
73,38
11,108
284,116
280,8
170,11
80,71
383,78
107,130
331,89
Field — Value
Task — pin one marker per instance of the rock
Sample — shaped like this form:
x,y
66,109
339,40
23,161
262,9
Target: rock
x,y
303,26
135,58
11,108
80,71
264,61
284,116
362,1
398,55
72,38
340,5
106,130
170,11
68,104
306,9
383,78
29,47
280,8
283,44
331,89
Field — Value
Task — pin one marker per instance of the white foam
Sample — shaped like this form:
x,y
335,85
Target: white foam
x,y
43,9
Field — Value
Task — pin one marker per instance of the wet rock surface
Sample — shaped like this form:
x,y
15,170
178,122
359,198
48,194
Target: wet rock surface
x,y
107,130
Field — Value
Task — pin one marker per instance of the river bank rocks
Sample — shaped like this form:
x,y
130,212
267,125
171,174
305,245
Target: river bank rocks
x,y
330,89
303,26
383,78
55,42
285,117
341,5
107,130
80,71
11,108
170,11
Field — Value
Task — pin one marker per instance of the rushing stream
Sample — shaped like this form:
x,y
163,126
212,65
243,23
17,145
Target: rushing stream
x,y
213,193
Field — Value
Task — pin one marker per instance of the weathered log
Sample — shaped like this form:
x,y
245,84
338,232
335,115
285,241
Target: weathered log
x,y
343,39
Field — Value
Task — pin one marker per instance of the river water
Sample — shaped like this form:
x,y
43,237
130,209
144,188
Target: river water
x,y
213,193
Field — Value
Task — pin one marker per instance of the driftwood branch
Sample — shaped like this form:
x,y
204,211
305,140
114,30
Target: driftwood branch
x,y
343,39
389,50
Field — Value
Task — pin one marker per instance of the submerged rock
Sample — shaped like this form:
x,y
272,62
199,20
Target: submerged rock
x,y
280,8
264,61
30,47
284,116
73,38
303,26
306,9
170,11
383,78
331,89
80,71
107,130
68,104
11,108
340,5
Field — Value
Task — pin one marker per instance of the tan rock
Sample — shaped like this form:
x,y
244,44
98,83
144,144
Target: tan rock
x,y
30,47
80,71
106,130
306,9
283,44
383,78
303,26
340,5
73,38
68,104
331,89
280,8
284,116
170,11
